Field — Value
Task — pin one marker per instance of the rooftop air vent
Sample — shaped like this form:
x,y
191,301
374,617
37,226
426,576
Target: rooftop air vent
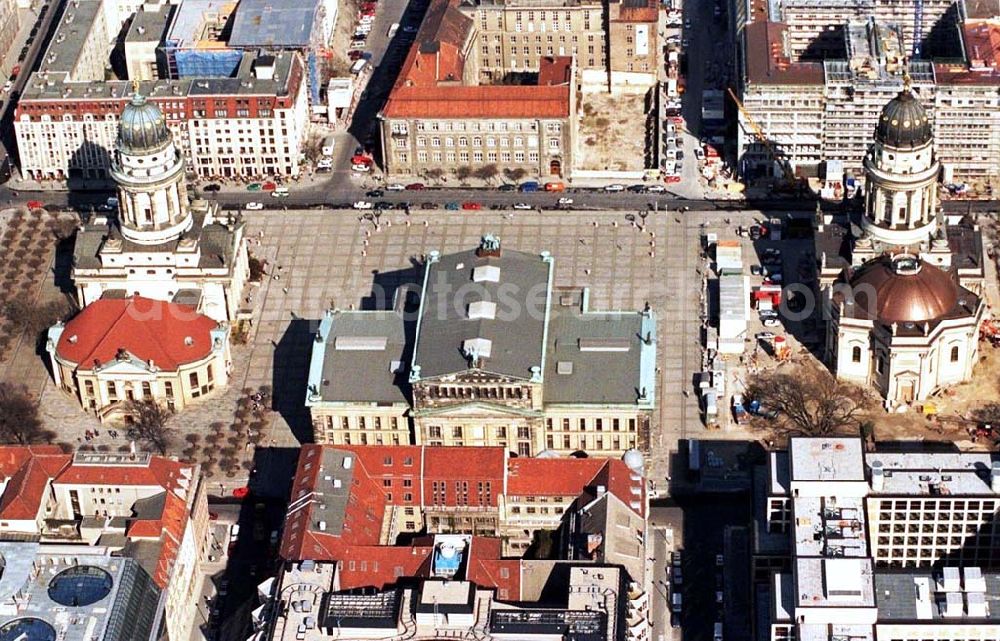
x,y
360,343
486,273
564,367
482,309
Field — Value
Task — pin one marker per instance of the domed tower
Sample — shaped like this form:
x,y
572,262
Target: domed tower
x,y
901,174
149,171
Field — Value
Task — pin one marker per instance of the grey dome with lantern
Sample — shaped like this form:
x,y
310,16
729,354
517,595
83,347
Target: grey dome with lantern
x,y
142,127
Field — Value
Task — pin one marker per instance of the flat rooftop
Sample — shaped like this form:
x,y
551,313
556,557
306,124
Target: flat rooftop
x,y
826,459
58,86
919,596
935,473
196,20
834,583
598,357
363,357
829,527
274,23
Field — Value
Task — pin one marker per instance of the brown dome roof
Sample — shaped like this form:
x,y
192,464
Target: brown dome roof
x,y
903,290
903,122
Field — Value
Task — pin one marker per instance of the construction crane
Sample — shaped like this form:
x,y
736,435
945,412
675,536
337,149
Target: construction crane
x,y
762,137
918,26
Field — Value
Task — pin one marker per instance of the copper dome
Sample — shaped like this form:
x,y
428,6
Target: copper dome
x,y
903,122
903,290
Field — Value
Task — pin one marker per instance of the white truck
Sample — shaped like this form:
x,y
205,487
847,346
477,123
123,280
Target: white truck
x,y
328,146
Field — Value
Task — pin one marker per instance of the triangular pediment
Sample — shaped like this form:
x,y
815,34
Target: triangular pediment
x,y
475,409
130,366
473,377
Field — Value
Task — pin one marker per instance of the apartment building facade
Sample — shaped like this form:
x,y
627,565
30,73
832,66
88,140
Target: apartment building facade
x,y
9,25
896,544
814,110
65,123
521,375
145,508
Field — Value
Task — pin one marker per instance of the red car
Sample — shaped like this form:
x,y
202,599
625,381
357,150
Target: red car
x,y
471,205
35,204
673,179
416,187
369,6
354,54
269,186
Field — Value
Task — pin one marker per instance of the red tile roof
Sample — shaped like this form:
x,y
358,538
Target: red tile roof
x,y
378,566
538,477
27,471
486,101
768,64
160,471
166,333
982,44
555,70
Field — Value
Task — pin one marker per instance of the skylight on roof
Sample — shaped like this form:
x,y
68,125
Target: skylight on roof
x,y
477,347
604,344
482,309
486,273
360,343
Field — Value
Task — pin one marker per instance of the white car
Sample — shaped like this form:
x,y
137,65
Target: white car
x,y
364,204
280,192
360,167
395,187
522,206
615,187
565,201
7,86
253,206
656,189
771,322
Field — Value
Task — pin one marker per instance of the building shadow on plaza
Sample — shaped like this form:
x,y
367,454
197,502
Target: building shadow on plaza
x,y
391,290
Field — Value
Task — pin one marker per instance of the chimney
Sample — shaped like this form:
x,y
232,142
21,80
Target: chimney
x,y
601,491
878,476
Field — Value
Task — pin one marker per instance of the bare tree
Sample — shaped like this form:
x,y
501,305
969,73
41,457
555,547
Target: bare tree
x,y
486,172
435,174
35,318
19,420
463,172
809,400
518,173
989,413
149,420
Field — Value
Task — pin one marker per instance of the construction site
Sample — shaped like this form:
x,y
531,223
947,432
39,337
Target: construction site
x,y
815,74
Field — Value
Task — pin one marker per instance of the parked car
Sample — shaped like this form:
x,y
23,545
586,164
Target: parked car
x,y
35,204
529,186
507,187
416,187
637,189
363,204
253,206
375,193
395,187
212,187
565,201
614,188
452,206
428,206
555,186
656,188
522,206
471,205
280,192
